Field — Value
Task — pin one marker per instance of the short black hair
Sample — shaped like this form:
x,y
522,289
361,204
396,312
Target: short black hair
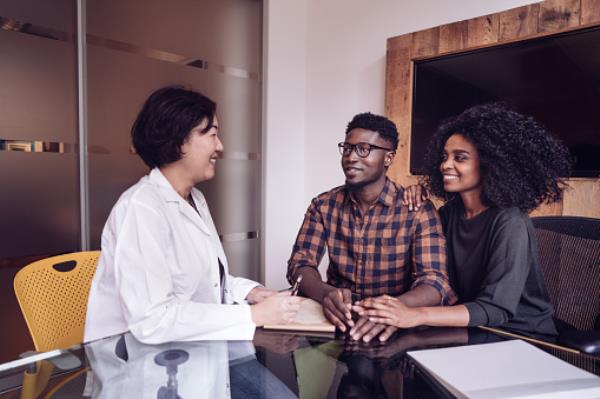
x,y
165,122
376,123
521,163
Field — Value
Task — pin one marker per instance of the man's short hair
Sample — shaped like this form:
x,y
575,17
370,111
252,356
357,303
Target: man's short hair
x,y
165,122
376,123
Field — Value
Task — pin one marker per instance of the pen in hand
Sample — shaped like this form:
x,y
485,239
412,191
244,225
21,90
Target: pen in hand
x,y
296,286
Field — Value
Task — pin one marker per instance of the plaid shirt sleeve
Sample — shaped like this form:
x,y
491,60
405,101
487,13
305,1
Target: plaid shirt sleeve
x,y
429,254
310,242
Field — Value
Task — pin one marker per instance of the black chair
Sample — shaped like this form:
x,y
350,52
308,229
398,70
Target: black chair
x,y
570,259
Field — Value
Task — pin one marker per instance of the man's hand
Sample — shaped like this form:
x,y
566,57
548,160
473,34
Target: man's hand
x,y
259,294
367,330
337,303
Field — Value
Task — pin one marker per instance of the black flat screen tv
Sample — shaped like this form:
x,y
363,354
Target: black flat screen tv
x,y
555,79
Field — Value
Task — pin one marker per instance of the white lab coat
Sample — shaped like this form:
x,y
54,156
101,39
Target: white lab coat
x,y
158,274
204,374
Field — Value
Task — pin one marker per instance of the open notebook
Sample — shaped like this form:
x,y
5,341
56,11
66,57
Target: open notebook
x,y
310,317
509,369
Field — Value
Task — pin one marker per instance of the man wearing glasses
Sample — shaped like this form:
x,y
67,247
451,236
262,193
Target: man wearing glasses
x,y
375,245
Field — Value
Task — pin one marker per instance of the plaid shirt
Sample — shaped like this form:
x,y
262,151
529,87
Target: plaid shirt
x,y
388,251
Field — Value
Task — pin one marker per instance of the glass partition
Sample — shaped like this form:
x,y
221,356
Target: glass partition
x,y
211,46
132,48
38,128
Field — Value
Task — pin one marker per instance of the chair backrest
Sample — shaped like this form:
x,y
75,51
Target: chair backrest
x,y
53,294
570,259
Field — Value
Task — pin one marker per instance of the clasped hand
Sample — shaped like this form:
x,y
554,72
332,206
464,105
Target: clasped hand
x,y
387,310
337,307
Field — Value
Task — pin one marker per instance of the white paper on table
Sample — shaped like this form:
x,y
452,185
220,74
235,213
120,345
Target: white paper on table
x,y
508,369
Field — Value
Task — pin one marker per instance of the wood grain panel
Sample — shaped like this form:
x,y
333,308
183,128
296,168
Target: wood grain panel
x,y
590,11
583,199
453,37
397,75
426,43
519,23
398,78
398,100
483,30
554,209
556,15
400,42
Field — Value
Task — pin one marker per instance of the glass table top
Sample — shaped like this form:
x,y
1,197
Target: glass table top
x,y
273,365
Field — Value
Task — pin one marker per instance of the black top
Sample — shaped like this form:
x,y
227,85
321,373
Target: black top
x,y
495,271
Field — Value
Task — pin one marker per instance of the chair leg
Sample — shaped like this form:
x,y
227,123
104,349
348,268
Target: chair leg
x,y
65,381
35,381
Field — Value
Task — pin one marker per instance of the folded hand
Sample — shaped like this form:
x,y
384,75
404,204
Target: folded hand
x,y
387,310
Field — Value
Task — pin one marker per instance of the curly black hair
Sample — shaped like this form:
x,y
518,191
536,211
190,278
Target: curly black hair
x,y
165,122
522,164
375,123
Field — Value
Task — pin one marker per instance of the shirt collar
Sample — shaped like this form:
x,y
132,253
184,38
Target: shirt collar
x,y
389,193
386,197
170,195
157,177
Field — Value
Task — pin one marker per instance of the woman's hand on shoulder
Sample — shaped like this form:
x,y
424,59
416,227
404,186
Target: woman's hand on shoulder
x,y
280,308
414,196
259,294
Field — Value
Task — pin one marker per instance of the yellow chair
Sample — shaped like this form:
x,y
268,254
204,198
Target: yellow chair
x,y
53,294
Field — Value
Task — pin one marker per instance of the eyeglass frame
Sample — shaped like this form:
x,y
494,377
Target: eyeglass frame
x,y
353,147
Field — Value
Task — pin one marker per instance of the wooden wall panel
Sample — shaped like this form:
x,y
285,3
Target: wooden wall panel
x,y
398,103
453,37
557,15
583,199
483,30
519,22
555,209
397,77
426,43
548,17
590,11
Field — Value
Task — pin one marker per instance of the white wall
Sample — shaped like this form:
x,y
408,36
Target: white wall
x,y
340,45
284,102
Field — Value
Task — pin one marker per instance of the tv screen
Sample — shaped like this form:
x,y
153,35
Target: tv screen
x,y
555,79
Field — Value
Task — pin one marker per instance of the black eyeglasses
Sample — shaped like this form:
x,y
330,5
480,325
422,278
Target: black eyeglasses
x,y
362,149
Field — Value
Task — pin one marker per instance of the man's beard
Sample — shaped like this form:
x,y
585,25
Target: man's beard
x,y
364,182
356,186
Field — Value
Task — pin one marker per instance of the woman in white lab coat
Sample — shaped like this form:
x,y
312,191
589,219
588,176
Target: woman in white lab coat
x,y
163,274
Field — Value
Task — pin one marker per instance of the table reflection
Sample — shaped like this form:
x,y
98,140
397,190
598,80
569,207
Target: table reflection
x,y
124,367
274,365
344,368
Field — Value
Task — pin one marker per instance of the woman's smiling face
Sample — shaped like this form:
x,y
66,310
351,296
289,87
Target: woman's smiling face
x,y
460,166
201,150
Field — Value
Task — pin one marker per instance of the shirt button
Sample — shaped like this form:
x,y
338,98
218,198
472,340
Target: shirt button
x,y
215,285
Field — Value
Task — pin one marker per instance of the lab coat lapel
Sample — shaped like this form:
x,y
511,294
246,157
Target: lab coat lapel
x,y
170,195
189,212
203,209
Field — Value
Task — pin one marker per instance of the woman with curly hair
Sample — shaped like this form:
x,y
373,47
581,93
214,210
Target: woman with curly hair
x,y
491,165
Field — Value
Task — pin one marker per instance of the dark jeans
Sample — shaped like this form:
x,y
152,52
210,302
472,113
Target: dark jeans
x,y
250,380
